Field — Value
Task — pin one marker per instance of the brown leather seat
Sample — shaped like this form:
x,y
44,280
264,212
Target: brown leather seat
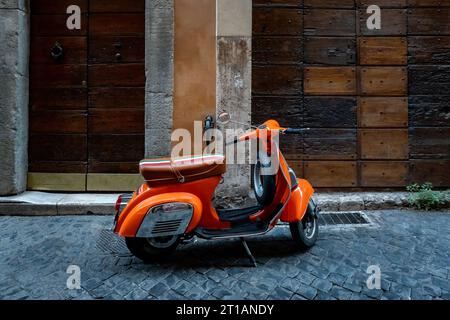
x,y
166,170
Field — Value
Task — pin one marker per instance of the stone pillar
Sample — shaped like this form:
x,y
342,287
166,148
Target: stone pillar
x,y
234,74
14,52
159,53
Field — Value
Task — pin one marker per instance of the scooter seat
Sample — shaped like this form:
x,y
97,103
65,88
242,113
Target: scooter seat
x,y
180,170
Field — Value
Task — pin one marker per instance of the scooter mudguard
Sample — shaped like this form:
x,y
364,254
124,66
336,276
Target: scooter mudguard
x,y
298,203
141,222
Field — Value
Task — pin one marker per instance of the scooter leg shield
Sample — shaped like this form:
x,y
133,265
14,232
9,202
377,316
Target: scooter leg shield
x,y
162,215
298,203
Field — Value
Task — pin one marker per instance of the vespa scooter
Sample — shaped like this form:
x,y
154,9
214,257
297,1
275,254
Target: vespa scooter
x,y
175,202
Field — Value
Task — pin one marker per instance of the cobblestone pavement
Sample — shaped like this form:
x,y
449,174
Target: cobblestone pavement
x,y
411,249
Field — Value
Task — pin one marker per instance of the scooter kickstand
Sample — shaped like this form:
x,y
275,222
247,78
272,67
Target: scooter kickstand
x,y
249,253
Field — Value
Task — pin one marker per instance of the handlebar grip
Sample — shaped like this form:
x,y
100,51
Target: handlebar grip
x,y
295,131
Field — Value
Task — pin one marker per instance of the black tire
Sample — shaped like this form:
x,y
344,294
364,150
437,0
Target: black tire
x,y
143,249
265,192
304,235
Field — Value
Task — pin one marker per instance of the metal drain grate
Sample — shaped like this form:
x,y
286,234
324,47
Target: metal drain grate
x,y
111,243
342,218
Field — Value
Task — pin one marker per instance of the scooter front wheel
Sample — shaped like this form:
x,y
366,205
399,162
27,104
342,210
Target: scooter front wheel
x,y
150,249
305,232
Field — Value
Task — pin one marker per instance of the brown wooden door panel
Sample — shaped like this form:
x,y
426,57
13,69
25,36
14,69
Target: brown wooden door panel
x,y
384,144
383,3
58,122
116,98
429,3
382,51
45,76
116,49
429,50
330,50
329,22
292,146
116,167
58,98
277,21
384,174
330,144
279,80
127,24
429,143
294,3
429,21
288,110
339,4
116,148
329,174
58,147
429,80
118,6
116,85
435,171
56,7
330,81
117,75
55,25
330,112
379,112
74,48
394,22
58,89
57,166
275,50
126,121
103,88
383,81
429,111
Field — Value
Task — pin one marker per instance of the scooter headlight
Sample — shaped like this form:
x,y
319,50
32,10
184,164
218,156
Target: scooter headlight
x,y
172,207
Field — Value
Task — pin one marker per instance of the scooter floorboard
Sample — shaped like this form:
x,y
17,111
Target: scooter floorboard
x,y
237,215
242,230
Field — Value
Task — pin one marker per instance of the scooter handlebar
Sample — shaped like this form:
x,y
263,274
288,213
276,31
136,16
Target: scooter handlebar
x,y
286,131
295,130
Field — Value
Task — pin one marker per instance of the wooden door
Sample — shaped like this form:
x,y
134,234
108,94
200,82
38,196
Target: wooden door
x,y
317,65
87,99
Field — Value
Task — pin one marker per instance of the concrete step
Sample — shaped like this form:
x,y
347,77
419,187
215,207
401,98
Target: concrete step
x,y
33,203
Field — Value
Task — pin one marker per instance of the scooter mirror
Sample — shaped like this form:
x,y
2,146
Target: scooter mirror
x,y
224,118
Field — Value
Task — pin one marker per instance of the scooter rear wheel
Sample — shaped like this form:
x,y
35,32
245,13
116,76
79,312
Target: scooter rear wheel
x,y
150,249
305,232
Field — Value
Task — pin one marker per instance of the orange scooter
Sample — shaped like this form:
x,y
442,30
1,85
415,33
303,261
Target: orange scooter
x,y
175,202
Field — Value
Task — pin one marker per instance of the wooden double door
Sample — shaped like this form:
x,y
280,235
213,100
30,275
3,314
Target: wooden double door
x,y
86,95
373,98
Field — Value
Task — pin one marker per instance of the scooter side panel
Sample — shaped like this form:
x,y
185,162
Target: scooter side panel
x,y
298,203
132,222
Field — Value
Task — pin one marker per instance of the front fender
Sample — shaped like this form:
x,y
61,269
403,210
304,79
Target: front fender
x,y
133,220
298,203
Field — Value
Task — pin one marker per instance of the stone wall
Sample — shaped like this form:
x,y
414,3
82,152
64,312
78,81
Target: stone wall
x,y
159,52
14,51
234,74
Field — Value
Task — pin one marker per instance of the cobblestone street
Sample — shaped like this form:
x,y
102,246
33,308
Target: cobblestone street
x,y
411,249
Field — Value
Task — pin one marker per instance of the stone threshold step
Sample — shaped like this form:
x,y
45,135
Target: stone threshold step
x,y
34,203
